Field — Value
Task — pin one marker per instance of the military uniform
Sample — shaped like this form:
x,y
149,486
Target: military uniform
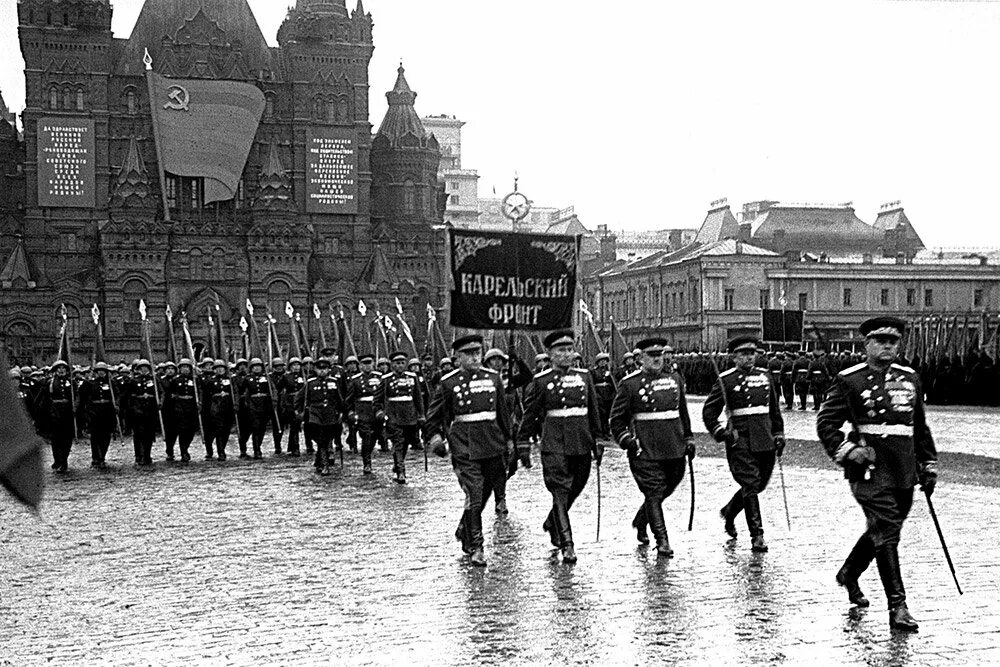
x,y
754,437
819,379
801,370
243,429
218,413
288,386
893,452
322,407
183,414
469,410
98,402
788,382
560,410
257,398
56,409
143,415
650,420
399,400
277,427
604,385
361,400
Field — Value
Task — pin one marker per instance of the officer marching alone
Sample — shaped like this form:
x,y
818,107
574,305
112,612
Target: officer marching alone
x,y
888,451
754,435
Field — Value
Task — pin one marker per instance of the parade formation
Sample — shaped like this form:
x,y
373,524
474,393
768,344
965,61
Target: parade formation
x,y
490,418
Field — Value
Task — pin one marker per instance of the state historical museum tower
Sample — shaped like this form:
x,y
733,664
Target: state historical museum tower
x,y
85,221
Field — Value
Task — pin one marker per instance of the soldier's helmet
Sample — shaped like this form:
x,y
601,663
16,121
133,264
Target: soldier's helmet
x,y
351,359
101,366
15,373
277,361
603,356
219,363
169,364
307,360
382,360
139,363
294,360
185,362
413,362
494,353
256,361
25,370
207,361
241,360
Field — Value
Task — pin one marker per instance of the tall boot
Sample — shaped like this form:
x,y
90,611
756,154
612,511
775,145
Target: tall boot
x,y
462,533
729,512
209,452
657,524
640,523
550,527
474,523
277,441
323,457
887,558
755,524
560,517
857,562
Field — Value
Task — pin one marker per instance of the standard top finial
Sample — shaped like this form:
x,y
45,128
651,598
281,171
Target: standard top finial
x,y
148,59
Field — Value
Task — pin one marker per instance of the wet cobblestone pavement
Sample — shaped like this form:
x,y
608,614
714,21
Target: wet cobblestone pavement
x,y
266,563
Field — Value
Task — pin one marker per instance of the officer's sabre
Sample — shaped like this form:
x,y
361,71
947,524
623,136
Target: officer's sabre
x,y
598,501
784,494
944,546
691,517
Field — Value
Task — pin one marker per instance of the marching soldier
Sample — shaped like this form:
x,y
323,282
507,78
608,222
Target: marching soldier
x,y
788,381
277,427
754,436
321,407
496,361
560,410
361,402
97,401
469,410
604,384
339,375
143,412
218,411
399,400
179,393
649,419
56,410
819,377
257,398
308,367
243,431
889,450
168,371
628,365
542,363
288,387
801,370
351,369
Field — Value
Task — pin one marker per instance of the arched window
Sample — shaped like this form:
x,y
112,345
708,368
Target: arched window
x,y
53,98
197,267
269,106
409,197
319,109
278,293
134,291
72,323
79,99
67,98
19,342
130,102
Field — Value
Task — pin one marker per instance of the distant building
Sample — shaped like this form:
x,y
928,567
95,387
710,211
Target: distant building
x,y
461,185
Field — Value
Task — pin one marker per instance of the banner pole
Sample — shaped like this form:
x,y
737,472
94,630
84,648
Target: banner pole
x,y
148,60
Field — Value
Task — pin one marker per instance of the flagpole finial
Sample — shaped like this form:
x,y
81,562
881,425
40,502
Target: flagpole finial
x,y
148,60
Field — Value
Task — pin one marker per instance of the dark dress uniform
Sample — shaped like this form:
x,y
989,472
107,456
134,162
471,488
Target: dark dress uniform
x,y
143,415
650,419
183,412
361,401
218,413
801,370
788,382
819,380
400,401
98,402
257,398
322,407
277,427
604,385
757,433
243,429
560,410
887,407
288,387
55,409
469,409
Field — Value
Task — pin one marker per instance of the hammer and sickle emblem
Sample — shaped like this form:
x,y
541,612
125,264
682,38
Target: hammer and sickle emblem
x,y
180,98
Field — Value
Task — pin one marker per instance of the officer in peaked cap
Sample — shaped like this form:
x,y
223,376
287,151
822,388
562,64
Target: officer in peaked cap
x,y
888,451
560,410
322,405
469,409
287,386
400,401
649,419
754,435
819,376
361,390
604,384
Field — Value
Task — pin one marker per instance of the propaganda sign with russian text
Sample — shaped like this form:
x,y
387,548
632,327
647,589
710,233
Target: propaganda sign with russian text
x,y
505,280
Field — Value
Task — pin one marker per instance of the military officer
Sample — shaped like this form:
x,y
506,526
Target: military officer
x,y
275,375
321,407
819,377
257,399
470,411
351,368
542,362
560,410
361,402
98,402
308,368
166,372
801,370
218,410
649,419
754,435
788,380
143,411
56,407
288,386
495,360
180,393
628,365
888,451
400,401
604,384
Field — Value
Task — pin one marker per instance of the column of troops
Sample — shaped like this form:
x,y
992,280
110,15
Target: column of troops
x,y
489,417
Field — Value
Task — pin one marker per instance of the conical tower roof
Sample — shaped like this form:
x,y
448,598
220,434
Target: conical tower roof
x,y
401,119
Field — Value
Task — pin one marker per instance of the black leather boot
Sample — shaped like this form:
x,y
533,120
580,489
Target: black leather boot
x,y
887,559
550,528
729,512
462,534
639,523
755,524
474,523
657,524
560,515
857,562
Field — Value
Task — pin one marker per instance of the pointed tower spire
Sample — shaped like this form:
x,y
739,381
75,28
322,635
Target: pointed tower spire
x,y
17,268
275,188
131,186
360,9
401,119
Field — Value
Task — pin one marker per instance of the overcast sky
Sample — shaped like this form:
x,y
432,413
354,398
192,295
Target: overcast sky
x,y
640,113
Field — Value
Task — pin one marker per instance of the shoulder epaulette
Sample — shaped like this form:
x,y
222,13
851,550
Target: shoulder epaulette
x,y
725,373
356,375
631,375
854,369
543,373
901,367
449,374
386,375
491,371
410,373
582,370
